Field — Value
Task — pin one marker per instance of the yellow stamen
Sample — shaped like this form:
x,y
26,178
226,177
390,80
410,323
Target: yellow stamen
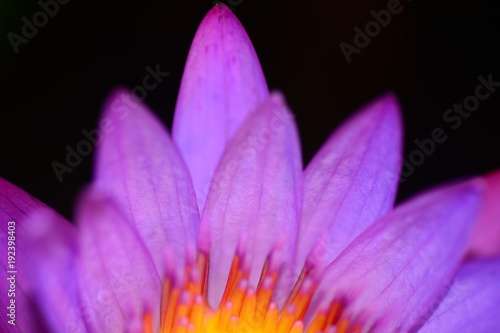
x,y
185,308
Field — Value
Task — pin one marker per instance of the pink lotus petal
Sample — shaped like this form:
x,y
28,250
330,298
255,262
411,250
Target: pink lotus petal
x,y
16,205
52,252
117,276
222,83
255,197
471,304
486,237
351,182
140,166
392,272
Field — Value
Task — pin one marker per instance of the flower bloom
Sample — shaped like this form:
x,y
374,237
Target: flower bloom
x,y
218,229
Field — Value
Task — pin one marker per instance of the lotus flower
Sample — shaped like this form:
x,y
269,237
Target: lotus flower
x,y
218,229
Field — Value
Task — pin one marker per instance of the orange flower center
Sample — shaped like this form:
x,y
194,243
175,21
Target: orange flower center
x,y
243,308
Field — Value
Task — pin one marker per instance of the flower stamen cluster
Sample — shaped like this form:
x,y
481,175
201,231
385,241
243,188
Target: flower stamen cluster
x,y
243,308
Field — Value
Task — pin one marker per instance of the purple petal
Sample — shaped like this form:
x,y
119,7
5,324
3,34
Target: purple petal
x,y
53,252
486,237
16,205
140,166
393,271
117,275
256,195
222,83
351,182
472,301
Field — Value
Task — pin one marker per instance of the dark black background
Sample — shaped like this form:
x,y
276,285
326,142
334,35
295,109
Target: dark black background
x,y
430,55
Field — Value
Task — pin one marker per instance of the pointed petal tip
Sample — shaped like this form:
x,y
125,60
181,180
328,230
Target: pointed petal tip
x,y
117,91
279,106
278,97
473,189
220,8
276,103
460,195
389,97
116,95
385,110
219,18
478,183
388,103
219,13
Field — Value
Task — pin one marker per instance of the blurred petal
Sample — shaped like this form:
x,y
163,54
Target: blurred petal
x,y
471,304
140,166
15,206
53,252
117,276
486,237
351,182
390,275
222,83
256,195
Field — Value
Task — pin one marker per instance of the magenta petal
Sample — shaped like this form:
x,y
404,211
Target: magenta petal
x,y
255,197
472,302
486,237
140,166
351,182
393,271
222,83
16,205
53,252
117,276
